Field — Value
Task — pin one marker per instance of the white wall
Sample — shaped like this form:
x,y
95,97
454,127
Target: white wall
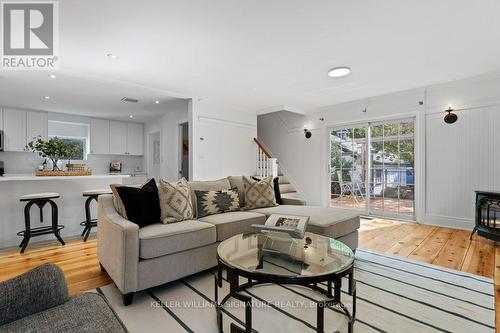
x,y
451,160
176,112
222,141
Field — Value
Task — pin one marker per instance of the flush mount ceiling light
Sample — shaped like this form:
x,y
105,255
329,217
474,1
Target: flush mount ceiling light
x,y
157,102
46,97
52,76
112,56
131,116
339,71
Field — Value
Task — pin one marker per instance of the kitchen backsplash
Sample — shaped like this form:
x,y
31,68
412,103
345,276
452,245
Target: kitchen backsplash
x,y
27,163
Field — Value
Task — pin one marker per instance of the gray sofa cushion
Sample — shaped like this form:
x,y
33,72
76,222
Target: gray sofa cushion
x,y
209,185
322,220
159,239
233,223
86,312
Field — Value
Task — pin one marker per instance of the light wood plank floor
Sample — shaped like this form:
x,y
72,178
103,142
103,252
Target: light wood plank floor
x,y
440,246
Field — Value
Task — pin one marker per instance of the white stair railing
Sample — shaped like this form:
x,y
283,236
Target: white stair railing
x,y
266,165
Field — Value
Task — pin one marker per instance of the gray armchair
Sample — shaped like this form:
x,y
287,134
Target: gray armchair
x,y
38,301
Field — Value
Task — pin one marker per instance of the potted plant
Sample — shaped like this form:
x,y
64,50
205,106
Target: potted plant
x,y
55,149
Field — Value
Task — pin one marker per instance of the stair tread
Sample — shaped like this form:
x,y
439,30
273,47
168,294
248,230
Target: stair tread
x,y
288,192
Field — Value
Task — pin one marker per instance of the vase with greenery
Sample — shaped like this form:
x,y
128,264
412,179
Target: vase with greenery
x,y
55,149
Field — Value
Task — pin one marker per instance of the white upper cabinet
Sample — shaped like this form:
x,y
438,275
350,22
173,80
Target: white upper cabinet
x,y
118,137
99,136
135,139
36,124
14,127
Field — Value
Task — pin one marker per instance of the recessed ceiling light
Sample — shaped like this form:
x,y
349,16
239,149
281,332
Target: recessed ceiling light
x,y
52,76
157,102
339,71
112,56
46,97
131,116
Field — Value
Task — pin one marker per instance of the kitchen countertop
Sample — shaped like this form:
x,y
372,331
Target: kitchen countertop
x,y
14,177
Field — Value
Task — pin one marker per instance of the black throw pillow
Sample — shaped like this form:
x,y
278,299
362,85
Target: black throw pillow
x,y
277,193
141,204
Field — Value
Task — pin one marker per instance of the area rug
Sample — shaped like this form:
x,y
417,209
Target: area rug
x,y
394,294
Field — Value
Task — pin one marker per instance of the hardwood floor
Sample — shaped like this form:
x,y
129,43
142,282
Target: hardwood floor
x,y
445,247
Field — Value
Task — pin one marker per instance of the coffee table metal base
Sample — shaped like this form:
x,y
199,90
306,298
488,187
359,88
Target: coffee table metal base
x,y
333,284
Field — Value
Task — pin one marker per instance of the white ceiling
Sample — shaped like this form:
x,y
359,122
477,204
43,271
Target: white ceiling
x,y
82,96
252,55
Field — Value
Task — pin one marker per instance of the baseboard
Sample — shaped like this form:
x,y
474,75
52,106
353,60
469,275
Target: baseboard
x,y
450,222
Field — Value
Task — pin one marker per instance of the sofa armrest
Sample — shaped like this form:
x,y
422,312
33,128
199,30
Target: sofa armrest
x,y
117,245
37,290
293,201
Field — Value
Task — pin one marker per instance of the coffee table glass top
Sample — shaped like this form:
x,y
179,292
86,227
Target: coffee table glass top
x,y
280,255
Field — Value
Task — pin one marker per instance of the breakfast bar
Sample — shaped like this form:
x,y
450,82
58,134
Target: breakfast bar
x,y
71,202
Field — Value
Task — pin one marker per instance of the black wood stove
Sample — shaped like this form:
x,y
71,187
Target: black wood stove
x,y
487,215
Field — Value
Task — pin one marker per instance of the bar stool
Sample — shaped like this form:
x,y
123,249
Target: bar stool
x,y
89,222
40,199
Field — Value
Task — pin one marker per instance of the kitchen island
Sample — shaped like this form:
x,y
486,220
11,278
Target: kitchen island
x,y
70,204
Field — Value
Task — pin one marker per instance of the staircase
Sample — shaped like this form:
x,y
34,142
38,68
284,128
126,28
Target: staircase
x,y
266,166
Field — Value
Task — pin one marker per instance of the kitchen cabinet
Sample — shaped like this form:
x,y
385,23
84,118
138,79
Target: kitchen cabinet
x,y
36,124
118,137
135,139
99,136
14,124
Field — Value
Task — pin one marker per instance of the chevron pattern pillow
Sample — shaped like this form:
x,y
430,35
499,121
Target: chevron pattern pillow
x,y
175,201
217,202
259,194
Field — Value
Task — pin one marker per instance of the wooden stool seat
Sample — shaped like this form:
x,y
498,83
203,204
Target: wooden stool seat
x,y
35,196
96,192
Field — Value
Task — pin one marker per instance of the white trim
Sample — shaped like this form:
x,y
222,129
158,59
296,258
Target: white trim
x,y
278,108
448,221
225,122
393,117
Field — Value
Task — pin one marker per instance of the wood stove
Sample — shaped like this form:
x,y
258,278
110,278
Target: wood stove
x,y
487,215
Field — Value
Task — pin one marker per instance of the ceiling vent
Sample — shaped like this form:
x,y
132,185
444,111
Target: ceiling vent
x,y
129,100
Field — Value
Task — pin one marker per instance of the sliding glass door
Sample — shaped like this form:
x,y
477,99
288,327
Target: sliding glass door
x,y
372,168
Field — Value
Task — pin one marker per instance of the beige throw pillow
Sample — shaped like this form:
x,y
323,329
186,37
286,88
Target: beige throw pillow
x,y
259,194
175,201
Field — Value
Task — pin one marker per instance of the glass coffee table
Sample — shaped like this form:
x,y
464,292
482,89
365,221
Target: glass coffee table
x,y
317,262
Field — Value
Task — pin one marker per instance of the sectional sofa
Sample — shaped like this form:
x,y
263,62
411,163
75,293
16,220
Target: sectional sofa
x,y
140,258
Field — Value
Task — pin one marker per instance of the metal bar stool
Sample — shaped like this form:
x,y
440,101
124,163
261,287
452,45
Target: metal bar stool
x,y
89,222
40,199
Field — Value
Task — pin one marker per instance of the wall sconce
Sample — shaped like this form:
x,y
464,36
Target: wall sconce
x,y
450,117
307,133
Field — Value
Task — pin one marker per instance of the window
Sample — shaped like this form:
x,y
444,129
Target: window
x,y
77,134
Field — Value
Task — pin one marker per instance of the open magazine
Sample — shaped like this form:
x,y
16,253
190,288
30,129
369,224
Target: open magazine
x,y
293,225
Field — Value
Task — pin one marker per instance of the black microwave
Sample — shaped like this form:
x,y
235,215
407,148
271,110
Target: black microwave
x,y
2,140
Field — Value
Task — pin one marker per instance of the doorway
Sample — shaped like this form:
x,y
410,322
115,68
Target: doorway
x,y
184,150
372,168
154,155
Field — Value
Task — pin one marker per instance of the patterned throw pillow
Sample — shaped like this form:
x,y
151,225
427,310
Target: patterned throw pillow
x,y
259,194
216,202
175,201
